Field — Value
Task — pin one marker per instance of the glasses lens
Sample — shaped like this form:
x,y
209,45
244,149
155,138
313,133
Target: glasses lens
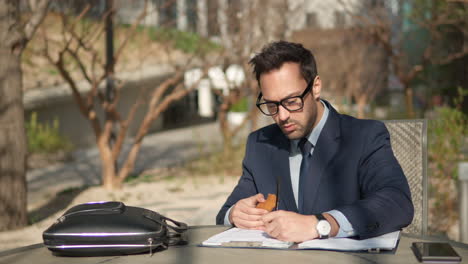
x,y
268,108
293,103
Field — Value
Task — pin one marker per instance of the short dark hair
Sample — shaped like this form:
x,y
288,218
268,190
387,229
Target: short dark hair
x,y
275,54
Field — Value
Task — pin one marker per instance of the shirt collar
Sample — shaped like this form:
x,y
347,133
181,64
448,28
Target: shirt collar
x,y
314,135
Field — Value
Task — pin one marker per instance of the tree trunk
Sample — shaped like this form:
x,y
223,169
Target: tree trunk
x,y
108,164
13,195
225,129
409,101
361,103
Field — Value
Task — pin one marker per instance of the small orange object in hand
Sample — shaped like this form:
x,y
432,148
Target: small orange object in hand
x,y
269,204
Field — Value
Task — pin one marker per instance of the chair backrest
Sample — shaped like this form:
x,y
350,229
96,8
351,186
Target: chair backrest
x,y
409,144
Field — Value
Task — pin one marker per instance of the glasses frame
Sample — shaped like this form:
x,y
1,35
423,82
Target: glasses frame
x,y
307,89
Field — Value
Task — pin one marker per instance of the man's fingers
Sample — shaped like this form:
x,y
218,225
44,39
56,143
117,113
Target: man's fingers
x,y
252,201
245,214
250,224
248,216
247,221
267,218
254,211
259,228
260,198
272,229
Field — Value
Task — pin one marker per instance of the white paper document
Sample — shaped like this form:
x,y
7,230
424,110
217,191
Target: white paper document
x,y
236,237
384,242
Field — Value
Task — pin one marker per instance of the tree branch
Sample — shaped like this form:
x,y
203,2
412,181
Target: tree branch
x,y
151,115
124,125
39,10
131,32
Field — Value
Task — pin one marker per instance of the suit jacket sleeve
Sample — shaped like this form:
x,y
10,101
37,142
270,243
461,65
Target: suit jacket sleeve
x,y
385,204
245,187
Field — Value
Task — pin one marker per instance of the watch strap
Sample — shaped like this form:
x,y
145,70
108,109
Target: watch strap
x,y
320,217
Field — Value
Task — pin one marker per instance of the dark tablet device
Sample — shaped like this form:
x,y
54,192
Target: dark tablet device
x,y
435,252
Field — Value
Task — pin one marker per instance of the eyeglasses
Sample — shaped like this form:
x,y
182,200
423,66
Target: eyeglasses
x,y
293,103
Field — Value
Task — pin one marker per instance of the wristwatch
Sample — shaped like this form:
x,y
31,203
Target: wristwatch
x,y
323,226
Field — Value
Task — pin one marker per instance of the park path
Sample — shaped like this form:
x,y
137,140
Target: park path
x,y
193,200
159,150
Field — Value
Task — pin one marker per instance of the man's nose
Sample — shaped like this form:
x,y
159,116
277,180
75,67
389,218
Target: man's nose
x,y
283,113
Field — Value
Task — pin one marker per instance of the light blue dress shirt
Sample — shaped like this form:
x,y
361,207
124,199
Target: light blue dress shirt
x,y
295,159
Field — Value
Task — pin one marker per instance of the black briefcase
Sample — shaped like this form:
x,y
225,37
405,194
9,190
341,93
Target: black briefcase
x,y
111,228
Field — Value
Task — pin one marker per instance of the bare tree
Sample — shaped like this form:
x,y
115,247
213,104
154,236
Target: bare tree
x,y
15,34
433,18
350,64
364,69
78,48
244,26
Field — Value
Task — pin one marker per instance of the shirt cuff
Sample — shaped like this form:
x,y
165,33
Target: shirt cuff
x,y
346,229
226,217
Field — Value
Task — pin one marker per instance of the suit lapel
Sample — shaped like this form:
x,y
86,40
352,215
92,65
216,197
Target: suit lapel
x,y
324,151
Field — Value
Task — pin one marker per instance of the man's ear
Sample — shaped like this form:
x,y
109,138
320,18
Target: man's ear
x,y
317,87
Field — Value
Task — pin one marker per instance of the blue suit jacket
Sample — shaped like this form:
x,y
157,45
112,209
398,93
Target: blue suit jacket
x,y
353,170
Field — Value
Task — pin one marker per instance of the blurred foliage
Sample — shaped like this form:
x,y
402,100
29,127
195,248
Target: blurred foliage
x,y
447,132
137,178
45,138
187,42
432,32
426,10
242,105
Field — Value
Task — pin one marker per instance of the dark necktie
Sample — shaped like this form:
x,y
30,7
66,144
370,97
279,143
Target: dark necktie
x,y
305,146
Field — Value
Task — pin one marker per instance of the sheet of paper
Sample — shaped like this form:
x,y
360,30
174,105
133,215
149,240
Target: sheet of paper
x,y
385,242
236,237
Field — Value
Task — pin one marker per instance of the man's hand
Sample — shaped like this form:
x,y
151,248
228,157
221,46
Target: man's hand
x,y
244,214
290,226
294,227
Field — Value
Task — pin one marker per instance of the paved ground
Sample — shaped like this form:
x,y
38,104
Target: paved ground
x,y
159,150
194,200
164,149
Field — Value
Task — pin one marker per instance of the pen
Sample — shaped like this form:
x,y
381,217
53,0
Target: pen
x,y
277,192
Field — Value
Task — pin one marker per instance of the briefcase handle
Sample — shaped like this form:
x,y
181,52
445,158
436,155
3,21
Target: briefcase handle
x,y
178,227
95,208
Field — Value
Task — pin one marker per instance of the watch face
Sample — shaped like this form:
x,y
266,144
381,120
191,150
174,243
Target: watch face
x,y
323,228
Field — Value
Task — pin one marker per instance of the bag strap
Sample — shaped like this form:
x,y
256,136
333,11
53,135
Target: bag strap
x,y
174,238
177,226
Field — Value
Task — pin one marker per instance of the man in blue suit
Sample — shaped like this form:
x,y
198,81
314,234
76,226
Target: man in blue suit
x,y
338,174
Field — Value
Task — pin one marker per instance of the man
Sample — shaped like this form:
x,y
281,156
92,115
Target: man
x,y
337,174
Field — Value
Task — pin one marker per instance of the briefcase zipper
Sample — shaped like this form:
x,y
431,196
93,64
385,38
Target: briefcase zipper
x,y
103,234
150,241
101,246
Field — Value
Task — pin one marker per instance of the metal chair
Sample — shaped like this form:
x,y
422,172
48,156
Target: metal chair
x,y
409,143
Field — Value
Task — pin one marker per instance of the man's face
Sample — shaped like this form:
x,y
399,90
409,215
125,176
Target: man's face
x,y
285,82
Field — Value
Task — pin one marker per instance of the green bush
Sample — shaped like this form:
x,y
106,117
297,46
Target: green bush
x,y
447,130
240,106
45,138
187,42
